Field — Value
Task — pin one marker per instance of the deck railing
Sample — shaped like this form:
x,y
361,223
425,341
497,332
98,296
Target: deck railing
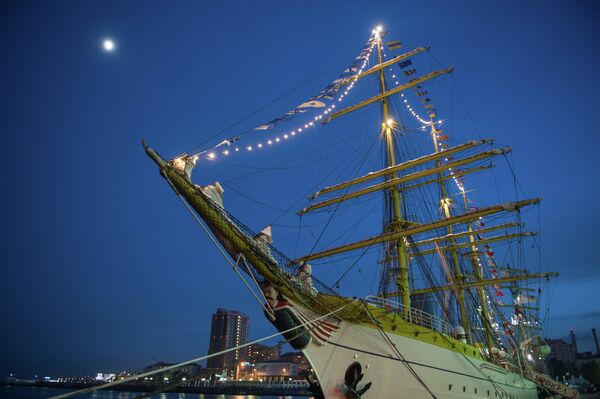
x,y
414,316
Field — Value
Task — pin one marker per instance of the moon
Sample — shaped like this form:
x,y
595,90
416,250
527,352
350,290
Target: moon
x,y
108,45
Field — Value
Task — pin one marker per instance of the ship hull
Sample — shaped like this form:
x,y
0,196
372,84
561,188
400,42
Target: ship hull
x,y
446,373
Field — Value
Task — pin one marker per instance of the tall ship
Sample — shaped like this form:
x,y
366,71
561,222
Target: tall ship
x,y
455,311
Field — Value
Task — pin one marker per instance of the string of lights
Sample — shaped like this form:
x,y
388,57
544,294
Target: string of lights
x,y
213,153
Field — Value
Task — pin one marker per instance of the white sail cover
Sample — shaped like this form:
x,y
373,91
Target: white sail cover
x,y
215,193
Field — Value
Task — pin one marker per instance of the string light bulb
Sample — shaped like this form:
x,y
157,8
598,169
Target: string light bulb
x,y
365,55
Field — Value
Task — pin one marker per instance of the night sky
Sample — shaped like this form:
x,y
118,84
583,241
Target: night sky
x,y
102,268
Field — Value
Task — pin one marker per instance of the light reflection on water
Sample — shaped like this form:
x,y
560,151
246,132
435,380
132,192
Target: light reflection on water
x,y
13,392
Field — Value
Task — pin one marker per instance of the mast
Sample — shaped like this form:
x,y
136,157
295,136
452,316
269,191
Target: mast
x,y
445,203
398,247
485,312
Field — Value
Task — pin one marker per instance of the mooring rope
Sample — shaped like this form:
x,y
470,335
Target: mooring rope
x,y
196,360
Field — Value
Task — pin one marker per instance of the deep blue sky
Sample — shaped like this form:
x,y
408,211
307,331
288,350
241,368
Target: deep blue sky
x,y
103,270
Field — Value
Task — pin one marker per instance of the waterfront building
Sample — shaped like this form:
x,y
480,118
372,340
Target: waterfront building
x,y
105,377
84,379
191,370
261,353
275,369
187,371
228,330
298,359
561,350
156,366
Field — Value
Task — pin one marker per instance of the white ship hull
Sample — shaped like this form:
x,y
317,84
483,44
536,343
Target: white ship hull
x,y
446,373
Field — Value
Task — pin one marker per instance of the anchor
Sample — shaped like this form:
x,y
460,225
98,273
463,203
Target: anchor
x,y
352,377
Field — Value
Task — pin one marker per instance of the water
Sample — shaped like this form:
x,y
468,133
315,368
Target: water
x,y
12,392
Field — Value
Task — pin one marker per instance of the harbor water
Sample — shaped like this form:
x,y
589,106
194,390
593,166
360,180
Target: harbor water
x,y
19,392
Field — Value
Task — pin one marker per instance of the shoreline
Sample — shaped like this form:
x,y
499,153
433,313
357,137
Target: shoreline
x,y
227,389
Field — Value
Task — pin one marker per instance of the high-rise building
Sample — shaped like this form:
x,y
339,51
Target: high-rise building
x,y
228,330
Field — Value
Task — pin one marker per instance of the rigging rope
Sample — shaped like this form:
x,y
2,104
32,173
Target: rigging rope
x,y
397,351
266,106
196,360
339,203
327,93
215,242
336,284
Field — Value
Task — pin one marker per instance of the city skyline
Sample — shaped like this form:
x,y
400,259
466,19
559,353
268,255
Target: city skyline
x,y
222,317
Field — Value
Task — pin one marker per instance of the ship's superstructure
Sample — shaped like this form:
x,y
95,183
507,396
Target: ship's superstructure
x,y
439,324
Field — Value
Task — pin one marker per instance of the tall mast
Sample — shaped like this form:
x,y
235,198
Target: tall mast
x,y
477,272
398,249
445,203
